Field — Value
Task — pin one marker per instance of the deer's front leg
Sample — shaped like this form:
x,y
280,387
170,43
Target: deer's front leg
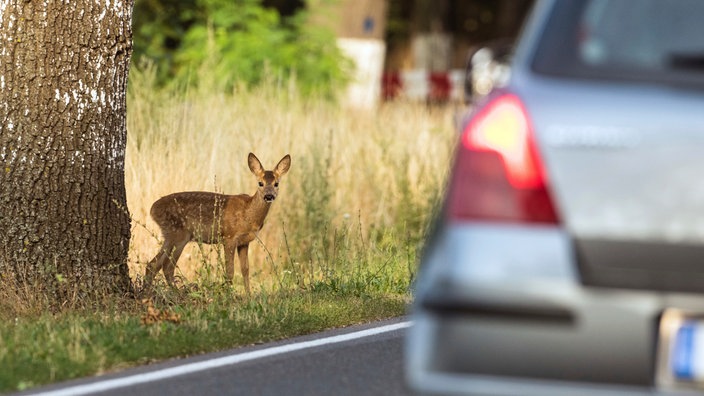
x,y
242,251
230,247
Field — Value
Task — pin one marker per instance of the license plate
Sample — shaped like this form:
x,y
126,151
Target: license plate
x,y
687,351
681,352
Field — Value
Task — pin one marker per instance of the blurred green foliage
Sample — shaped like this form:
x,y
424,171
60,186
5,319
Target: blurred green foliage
x,y
232,42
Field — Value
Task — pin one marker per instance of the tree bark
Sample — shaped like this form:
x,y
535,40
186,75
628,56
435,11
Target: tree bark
x,y
64,225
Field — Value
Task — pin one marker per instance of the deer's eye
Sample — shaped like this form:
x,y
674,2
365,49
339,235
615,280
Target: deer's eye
x,y
261,184
276,184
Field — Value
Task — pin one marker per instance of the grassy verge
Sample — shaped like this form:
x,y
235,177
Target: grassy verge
x,y
339,245
51,348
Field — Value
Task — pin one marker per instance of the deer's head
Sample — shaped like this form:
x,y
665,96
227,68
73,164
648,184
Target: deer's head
x,y
268,179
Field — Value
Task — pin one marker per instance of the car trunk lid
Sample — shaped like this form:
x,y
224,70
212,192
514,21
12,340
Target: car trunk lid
x,y
626,167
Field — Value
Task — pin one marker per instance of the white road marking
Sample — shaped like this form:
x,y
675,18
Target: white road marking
x,y
190,368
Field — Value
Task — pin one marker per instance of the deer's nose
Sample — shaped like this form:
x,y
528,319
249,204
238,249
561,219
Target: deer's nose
x,y
269,197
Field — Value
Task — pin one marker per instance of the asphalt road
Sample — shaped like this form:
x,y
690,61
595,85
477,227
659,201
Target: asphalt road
x,y
359,360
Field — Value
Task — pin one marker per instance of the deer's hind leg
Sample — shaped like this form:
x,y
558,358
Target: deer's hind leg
x,y
156,264
169,266
166,259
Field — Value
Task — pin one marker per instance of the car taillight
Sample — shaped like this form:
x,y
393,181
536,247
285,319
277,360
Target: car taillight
x,y
497,174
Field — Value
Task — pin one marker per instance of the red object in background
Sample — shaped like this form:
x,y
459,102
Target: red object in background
x,y
418,85
439,87
391,85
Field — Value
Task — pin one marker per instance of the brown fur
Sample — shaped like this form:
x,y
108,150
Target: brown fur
x,y
232,220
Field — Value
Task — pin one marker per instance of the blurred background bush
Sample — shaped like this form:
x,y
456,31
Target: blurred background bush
x,y
237,42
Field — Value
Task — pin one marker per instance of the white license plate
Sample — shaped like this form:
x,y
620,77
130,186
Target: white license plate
x,y
687,351
681,352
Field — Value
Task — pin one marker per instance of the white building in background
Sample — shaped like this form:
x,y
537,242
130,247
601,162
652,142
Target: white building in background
x,y
360,26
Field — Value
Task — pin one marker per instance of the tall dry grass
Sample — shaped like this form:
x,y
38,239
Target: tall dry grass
x,y
360,181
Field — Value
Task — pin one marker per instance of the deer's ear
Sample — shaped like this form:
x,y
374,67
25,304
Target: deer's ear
x,y
254,165
283,165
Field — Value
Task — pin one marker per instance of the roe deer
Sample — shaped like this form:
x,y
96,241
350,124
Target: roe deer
x,y
207,217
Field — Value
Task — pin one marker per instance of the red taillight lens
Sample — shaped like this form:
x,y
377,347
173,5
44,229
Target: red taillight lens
x,y
497,173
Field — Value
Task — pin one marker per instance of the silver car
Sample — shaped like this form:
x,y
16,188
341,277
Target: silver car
x,y
569,255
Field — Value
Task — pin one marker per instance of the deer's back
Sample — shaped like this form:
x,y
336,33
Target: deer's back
x,y
198,212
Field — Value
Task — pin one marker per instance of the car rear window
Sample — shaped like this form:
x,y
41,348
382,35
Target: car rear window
x,y
652,40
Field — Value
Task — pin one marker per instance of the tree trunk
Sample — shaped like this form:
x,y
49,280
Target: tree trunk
x,y
64,225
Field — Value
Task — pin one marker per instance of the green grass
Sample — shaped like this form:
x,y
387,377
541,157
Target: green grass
x,y
206,315
49,348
